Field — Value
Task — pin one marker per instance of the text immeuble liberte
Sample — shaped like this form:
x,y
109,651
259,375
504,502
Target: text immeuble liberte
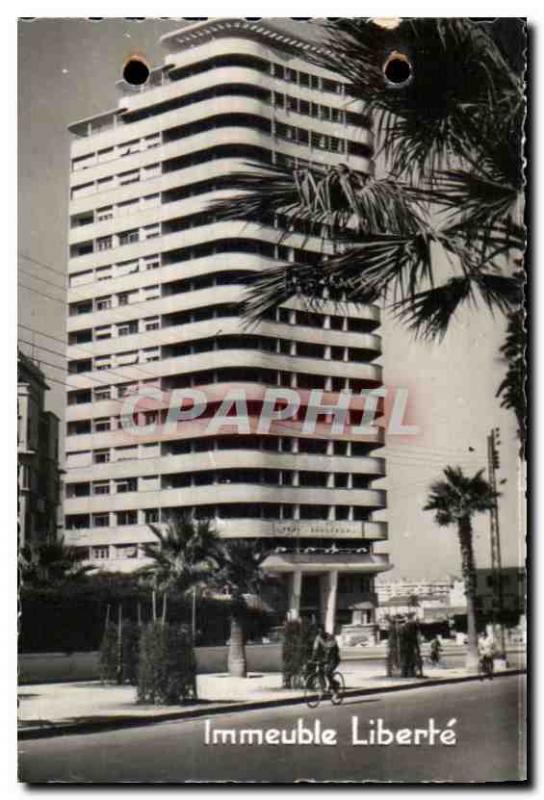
x,y
313,733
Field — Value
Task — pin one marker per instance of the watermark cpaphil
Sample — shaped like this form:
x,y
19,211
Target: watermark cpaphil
x,y
242,409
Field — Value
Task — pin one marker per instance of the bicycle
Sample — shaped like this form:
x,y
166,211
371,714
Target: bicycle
x,y
315,686
486,667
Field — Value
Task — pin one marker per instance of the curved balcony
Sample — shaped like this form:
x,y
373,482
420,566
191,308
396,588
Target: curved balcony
x,y
221,459
224,326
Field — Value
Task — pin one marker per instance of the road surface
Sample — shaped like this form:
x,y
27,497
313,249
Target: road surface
x,y
489,732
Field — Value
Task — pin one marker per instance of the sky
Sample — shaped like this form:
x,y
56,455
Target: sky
x,y
67,71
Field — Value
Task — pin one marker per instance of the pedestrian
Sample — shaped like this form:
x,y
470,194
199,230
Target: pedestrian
x,y
486,651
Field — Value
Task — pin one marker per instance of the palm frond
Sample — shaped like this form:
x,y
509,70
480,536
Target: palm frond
x,y
433,118
429,313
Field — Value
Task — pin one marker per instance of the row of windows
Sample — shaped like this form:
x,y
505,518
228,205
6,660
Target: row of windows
x,y
120,150
278,99
272,511
143,203
176,447
295,77
299,77
308,137
264,344
179,480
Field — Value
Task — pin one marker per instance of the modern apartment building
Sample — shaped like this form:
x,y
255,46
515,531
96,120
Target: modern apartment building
x,y
38,479
155,286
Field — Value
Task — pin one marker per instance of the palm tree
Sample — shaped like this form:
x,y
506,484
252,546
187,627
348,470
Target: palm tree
x,y
241,579
451,180
184,556
512,389
455,499
51,563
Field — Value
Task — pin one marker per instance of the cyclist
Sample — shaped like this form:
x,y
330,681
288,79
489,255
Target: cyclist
x,y
326,655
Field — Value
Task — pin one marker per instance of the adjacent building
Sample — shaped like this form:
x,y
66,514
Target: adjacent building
x,y
38,479
155,286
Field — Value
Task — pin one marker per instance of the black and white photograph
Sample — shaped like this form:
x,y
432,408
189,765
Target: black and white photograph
x,y
272,400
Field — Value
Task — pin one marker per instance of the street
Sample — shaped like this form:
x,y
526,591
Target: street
x,y
490,743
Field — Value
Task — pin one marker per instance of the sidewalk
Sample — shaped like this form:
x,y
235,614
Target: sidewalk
x,y
52,709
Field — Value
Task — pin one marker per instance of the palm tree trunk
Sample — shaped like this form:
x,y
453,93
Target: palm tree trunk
x,y
469,576
237,652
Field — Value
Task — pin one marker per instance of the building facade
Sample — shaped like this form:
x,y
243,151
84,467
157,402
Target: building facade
x,y
155,286
38,479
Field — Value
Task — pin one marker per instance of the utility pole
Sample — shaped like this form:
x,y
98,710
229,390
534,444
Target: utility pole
x,y
493,463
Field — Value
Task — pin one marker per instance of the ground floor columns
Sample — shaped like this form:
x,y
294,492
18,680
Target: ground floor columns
x,y
331,588
295,589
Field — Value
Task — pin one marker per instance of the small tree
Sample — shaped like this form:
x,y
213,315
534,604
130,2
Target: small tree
x,y
167,668
183,558
455,500
239,575
298,637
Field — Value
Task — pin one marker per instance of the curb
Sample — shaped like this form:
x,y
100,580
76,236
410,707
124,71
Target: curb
x,y
116,723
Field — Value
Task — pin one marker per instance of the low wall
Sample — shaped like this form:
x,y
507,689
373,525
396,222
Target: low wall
x,y
63,667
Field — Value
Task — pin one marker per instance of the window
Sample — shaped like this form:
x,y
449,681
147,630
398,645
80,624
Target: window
x,y
127,328
105,183
151,171
102,393
127,148
101,552
152,231
126,485
122,299
102,424
279,99
105,155
101,456
103,273
83,162
102,362
103,332
127,518
151,354
83,190
129,207
151,292
101,487
151,141
151,515
129,357
126,268
100,520
152,262
103,303
278,71
150,201
125,178
123,389
151,324
128,237
126,551
104,243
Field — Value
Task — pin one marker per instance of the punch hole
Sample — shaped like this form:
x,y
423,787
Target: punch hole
x,y
397,69
135,71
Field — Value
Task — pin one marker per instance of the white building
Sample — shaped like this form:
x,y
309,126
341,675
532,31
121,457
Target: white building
x,y
154,300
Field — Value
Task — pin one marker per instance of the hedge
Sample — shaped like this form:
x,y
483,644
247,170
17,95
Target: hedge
x,y
167,665
298,638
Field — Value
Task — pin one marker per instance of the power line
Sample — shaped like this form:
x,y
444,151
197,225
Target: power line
x,y
41,264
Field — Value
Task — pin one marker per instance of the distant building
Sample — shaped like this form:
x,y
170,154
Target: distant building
x,y
387,590
37,458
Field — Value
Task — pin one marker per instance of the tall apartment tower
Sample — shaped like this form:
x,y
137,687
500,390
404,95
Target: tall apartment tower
x,y
154,300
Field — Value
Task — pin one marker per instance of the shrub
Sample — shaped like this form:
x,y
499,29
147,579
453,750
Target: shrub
x,y
167,666
298,637
109,655
120,665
